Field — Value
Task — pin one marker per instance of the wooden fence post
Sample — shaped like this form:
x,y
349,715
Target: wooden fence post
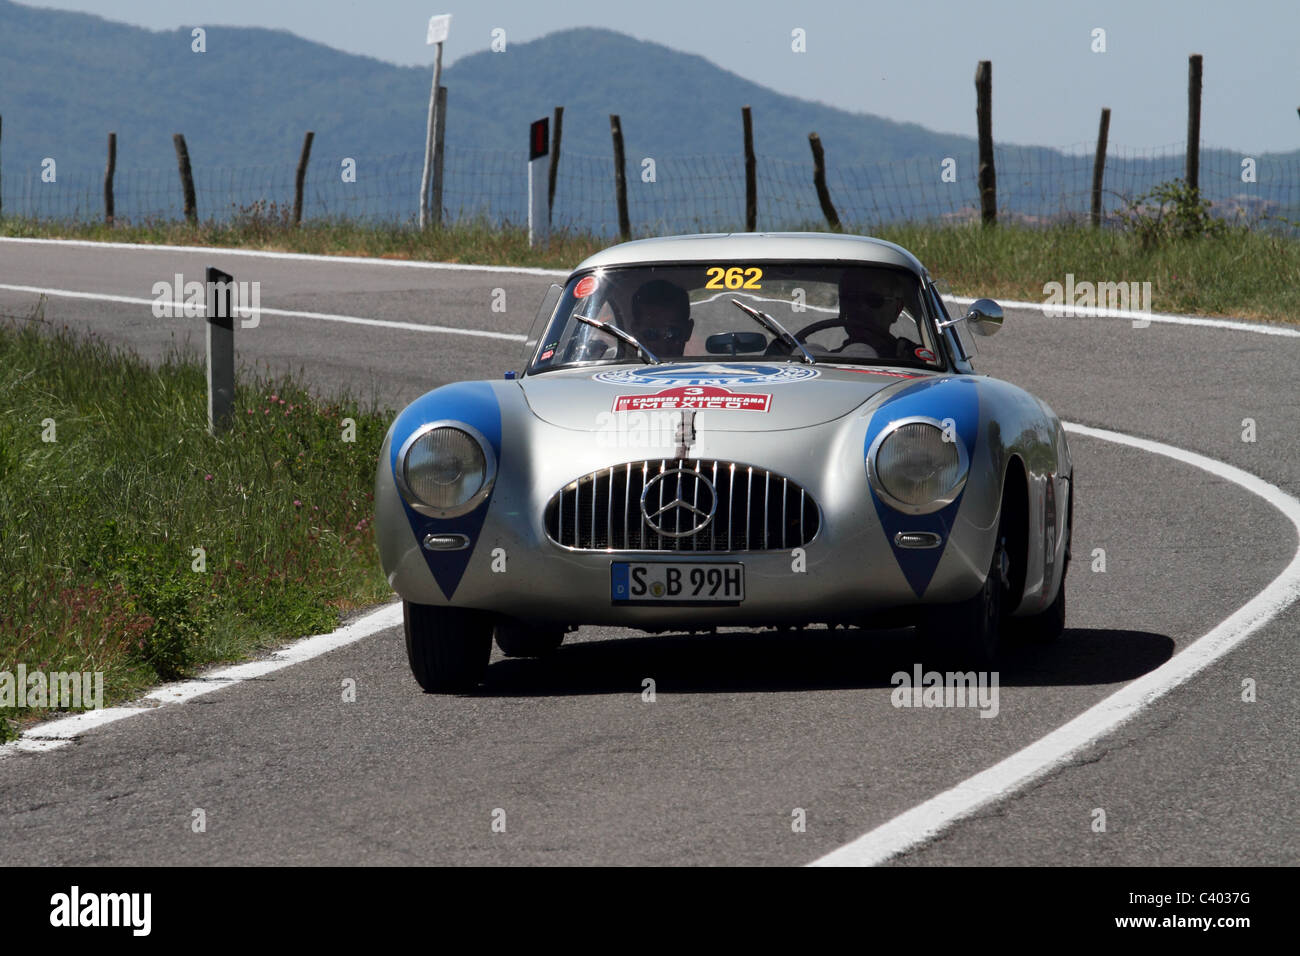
x,y
751,184
1194,124
439,145
819,181
430,132
300,178
988,180
1099,166
555,162
108,178
620,178
2,206
187,178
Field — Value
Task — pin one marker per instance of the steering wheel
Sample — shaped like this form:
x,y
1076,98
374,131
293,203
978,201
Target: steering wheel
x,y
779,347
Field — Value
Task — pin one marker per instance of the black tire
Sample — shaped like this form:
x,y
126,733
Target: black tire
x,y
970,632
448,647
517,639
1045,626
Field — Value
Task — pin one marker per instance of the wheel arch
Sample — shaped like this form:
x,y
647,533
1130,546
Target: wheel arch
x,y
1014,522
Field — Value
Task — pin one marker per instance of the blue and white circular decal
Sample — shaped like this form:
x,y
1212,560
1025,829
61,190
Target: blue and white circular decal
x,y
708,373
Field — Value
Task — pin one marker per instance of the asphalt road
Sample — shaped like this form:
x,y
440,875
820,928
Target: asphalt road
x,y
745,727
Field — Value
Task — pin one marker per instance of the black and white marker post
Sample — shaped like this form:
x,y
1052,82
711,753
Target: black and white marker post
x,y
221,351
539,219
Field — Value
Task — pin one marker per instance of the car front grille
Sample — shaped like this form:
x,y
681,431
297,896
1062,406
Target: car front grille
x,y
751,509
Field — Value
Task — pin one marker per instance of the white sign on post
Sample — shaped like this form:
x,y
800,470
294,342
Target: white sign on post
x,y
438,28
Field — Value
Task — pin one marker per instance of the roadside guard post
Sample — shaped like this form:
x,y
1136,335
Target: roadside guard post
x,y
539,220
221,351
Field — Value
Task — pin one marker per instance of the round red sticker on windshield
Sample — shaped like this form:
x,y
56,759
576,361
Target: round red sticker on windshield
x,y
585,287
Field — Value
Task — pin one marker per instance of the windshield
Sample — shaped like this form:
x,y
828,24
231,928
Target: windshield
x,y
851,314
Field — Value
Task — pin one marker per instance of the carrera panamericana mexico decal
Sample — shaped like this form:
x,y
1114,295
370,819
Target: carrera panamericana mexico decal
x,y
697,397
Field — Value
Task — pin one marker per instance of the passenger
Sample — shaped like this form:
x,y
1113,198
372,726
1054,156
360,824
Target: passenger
x,y
661,318
870,302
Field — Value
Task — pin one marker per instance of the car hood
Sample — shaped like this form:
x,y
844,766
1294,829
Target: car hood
x,y
727,396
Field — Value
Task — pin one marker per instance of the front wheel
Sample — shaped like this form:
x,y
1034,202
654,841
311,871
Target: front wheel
x,y
448,647
1048,625
971,630
1045,626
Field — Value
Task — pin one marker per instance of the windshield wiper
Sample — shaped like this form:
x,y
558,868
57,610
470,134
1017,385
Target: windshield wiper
x,y
649,357
775,327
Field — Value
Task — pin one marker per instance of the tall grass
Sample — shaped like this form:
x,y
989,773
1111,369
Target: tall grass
x,y
109,481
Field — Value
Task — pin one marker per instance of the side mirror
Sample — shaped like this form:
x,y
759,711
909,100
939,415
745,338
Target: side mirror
x,y
732,343
985,317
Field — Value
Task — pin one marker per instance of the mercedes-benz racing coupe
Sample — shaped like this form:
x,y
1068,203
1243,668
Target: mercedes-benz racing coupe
x,y
747,430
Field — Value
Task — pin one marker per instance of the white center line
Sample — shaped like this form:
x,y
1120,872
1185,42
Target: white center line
x,y
289,313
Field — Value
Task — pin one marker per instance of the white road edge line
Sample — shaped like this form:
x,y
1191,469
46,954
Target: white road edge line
x,y
292,256
323,316
1095,312
59,733
1082,311
927,820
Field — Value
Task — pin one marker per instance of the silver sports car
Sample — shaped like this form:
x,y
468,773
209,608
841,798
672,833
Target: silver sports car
x,y
748,430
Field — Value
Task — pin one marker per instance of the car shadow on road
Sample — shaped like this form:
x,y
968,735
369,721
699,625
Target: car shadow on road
x,y
818,659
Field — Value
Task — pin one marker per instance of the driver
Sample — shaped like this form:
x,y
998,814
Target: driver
x,y
870,302
661,318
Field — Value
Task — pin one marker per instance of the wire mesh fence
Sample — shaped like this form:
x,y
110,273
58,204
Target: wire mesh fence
x,y
674,194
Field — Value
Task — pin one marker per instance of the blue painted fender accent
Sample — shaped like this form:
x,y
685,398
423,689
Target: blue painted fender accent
x,y
940,398
475,404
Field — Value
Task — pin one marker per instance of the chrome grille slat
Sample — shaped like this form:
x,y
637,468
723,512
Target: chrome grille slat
x,y
749,510
801,514
767,497
750,526
731,501
785,509
627,485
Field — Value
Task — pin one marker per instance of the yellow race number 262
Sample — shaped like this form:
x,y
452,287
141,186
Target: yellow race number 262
x,y
735,277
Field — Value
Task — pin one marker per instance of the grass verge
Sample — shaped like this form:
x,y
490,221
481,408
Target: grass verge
x,y
109,483
1240,272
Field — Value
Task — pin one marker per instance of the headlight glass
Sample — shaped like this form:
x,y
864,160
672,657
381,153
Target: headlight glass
x,y
916,466
445,468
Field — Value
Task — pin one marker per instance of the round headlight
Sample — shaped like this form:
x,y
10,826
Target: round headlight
x,y
917,468
444,469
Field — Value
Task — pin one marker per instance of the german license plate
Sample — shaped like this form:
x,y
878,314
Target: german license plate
x,y
655,582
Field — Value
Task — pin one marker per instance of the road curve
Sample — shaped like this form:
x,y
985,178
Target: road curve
x,y
746,727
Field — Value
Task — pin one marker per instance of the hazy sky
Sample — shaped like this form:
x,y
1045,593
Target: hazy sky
x,y
911,61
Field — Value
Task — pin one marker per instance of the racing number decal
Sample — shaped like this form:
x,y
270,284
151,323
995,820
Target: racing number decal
x,y
734,278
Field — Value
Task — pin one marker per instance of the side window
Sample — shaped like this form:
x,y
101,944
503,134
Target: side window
x,y
540,323
939,289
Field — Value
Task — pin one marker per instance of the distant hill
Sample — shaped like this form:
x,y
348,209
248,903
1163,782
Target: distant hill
x,y
69,78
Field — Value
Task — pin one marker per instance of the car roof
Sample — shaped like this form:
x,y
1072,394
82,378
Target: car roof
x,y
756,246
